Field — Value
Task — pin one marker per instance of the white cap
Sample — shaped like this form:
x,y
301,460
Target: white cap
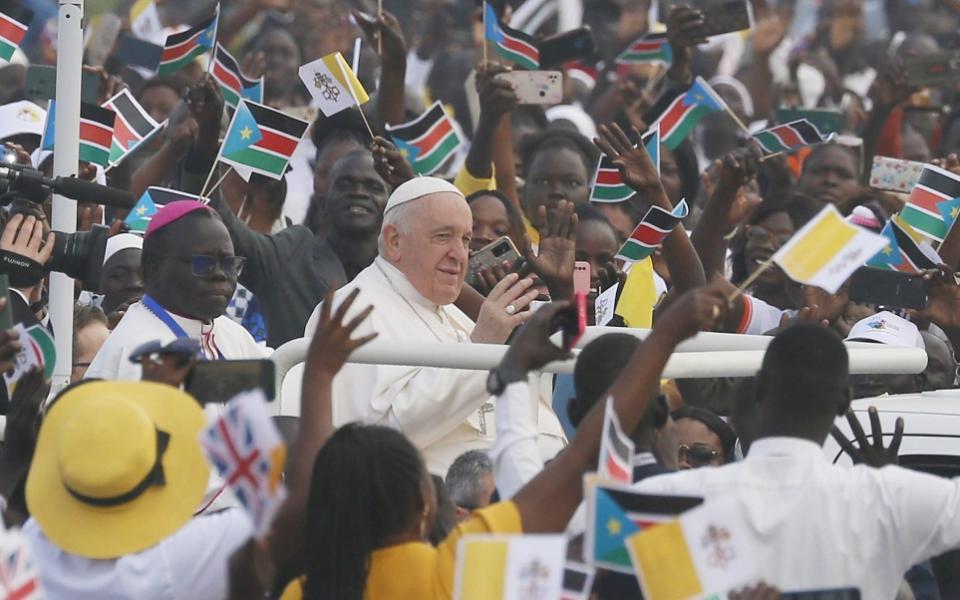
x,y
886,328
18,118
418,187
121,241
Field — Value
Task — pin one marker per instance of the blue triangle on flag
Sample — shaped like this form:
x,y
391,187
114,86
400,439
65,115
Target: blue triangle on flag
x,y
949,210
612,526
141,213
243,133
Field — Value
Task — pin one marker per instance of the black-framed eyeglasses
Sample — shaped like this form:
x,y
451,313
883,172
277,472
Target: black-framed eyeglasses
x,y
203,265
697,455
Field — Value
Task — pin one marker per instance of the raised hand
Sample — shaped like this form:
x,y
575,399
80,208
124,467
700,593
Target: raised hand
x,y
389,163
27,240
206,103
531,347
331,344
504,310
874,455
557,250
739,167
388,28
700,309
497,95
635,165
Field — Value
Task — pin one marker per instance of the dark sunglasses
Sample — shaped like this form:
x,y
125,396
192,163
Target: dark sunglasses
x,y
203,265
697,455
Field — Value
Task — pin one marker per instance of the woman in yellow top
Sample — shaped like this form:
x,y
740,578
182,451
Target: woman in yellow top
x,y
371,500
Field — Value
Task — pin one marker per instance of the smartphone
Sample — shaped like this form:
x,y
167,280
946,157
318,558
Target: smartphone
x,y
497,252
890,289
576,44
834,594
571,322
581,277
536,87
939,69
217,381
894,174
726,17
6,314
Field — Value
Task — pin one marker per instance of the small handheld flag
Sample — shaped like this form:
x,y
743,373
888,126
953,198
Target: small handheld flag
x,y
906,251
96,132
652,48
708,551
511,44
616,449
655,226
36,350
19,579
608,185
333,84
936,185
790,136
145,22
686,111
150,202
233,83
247,451
182,48
131,125
261,139
827,250
614,513
509,567
427,141
14,21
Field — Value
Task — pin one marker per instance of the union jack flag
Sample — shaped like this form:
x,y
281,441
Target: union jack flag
x,y
18,577
248,453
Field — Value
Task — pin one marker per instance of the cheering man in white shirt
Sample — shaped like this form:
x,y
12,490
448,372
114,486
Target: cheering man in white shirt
x,y
821,525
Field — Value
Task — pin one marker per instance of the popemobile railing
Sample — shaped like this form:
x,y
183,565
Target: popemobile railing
x,y
703,356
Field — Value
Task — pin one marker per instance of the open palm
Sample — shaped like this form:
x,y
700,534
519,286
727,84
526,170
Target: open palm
x,y
635,165
557,250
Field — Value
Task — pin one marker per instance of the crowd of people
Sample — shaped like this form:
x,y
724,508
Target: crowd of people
x,y
390,467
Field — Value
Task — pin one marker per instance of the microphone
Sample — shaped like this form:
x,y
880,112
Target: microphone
x,y
31,183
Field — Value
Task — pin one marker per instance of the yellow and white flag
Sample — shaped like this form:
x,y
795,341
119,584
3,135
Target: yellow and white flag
x,y
145,22
510,567
708,551
333,84
827,250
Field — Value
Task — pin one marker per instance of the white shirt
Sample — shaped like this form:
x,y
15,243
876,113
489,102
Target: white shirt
x,y
139,325
515,457
444,412
827,526
192,563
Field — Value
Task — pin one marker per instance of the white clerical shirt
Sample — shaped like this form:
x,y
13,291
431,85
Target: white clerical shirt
x,y
828,526
444,412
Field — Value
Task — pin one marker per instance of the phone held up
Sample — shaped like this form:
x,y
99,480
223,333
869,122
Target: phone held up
x,y
500,251
571,322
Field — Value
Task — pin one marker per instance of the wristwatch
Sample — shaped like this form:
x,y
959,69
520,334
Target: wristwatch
x,y
499,379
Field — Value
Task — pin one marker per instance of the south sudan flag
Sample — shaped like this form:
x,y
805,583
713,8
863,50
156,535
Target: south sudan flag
x,y
131,126
261,139
608,185
655,226
512,44
96,132
233,83
427,141
182,48
651,48
935,186
790,136
14,20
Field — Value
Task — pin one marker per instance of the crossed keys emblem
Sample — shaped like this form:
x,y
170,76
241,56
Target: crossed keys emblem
x,y
717,542
328,89
535,577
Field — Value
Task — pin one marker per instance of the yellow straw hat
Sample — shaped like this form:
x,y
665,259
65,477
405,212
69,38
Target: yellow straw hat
x,y
117,468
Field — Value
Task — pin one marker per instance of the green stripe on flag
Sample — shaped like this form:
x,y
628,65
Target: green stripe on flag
x,y
633,251
612,192
255,159
94,154
926,224
770,142
173,66
516,57
6,50
229,96
116,152
685,126
441,152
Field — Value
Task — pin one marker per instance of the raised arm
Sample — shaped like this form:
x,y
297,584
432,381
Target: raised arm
x,y
385,32
638,171
497,100
548,501
329,349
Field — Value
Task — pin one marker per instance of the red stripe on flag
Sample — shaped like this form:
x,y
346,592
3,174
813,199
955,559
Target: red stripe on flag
x,y
646,47
23,592
926,199
673,116
95,133
276,142
226,77
789,137
11,30
521,47
125,136
181,49
433,136
609,177
616,471
648,236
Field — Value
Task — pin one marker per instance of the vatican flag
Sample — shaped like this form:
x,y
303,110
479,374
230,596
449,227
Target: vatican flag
x,y
333,84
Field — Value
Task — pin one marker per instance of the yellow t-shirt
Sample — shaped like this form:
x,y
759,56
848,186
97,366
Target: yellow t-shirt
x,y
468,184
417,569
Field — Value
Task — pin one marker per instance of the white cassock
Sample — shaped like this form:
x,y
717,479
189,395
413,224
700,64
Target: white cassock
x,y
444,412
221,339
